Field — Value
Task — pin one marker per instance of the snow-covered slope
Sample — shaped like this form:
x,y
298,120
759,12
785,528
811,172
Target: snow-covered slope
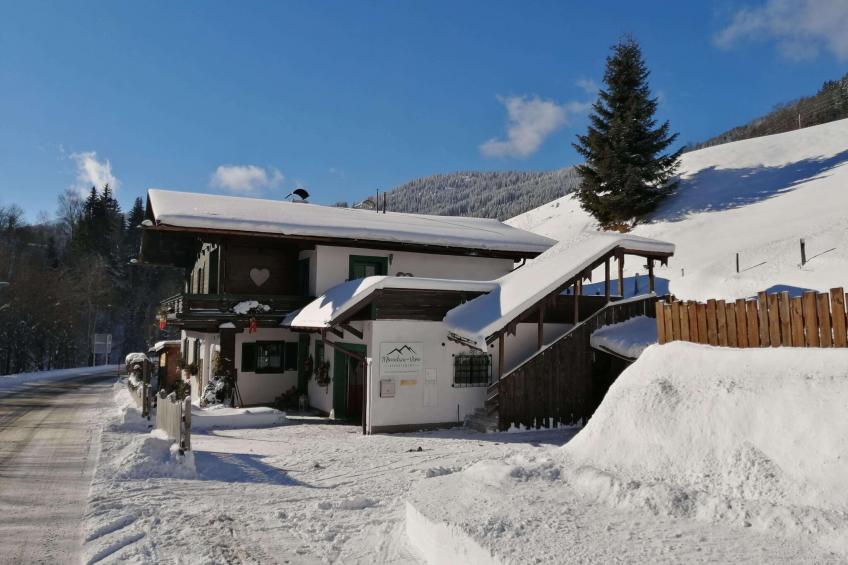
x,y
757,197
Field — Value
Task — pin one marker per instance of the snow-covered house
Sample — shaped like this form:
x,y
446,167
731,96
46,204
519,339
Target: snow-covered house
x,y
397,321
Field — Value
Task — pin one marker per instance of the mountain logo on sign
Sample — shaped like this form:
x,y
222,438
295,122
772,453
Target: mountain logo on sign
x,y
400,350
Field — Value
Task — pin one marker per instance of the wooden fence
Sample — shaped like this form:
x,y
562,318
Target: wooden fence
x,y
556,386
174,418
770,320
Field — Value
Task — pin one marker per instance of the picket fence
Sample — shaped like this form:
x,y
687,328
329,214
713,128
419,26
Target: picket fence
x,y
174,418
770,320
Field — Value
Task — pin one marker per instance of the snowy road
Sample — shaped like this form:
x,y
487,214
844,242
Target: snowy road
x,y
48,446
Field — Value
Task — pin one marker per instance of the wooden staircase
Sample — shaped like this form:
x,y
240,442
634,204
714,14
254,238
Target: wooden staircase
x,y
554,386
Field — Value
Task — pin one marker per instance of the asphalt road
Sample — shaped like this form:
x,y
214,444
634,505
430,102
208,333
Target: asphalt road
x,y
48,447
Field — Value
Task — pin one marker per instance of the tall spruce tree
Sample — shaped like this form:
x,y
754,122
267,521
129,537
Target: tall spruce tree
x,y
626,174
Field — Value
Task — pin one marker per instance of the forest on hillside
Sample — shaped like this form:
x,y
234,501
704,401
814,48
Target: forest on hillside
x,y
493,194
829,104
65,279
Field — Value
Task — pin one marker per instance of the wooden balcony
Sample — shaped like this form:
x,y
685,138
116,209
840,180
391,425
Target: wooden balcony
x,y
209,310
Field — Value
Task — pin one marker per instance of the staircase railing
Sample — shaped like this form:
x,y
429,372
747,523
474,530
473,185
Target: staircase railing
x,y
554,386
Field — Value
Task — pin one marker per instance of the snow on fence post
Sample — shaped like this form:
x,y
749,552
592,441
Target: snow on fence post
x,y
771,319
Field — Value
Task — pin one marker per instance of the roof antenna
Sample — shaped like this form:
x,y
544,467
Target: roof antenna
x,y
300,193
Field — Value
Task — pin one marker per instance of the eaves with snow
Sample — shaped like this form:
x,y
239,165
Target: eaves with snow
x,y
228,214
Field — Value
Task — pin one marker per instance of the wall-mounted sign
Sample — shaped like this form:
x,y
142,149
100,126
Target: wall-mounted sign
x,y
387,388
401,359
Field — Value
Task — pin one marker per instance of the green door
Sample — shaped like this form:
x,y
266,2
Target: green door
x,y
348,382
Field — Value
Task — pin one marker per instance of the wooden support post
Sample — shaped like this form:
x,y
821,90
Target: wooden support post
x,y
650,275
607,279
541,327
621,275
501,355
576,305
803,252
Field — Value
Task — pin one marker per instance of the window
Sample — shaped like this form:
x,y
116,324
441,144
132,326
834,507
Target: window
x,y
362,266
303,277
269,356
472,369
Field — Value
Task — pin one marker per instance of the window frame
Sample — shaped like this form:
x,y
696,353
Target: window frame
x,y
354,260
476,376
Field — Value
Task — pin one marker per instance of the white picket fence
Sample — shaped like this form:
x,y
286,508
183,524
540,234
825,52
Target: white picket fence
x,y
174,418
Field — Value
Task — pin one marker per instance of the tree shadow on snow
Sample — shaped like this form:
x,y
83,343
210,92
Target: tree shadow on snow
x,y
240,468
711,189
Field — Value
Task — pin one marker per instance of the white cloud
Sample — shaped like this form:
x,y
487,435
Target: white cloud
x,y
800,28
529,122
588,85
245,178
93,172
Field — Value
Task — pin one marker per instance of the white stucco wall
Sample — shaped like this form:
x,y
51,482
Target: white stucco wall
x,y
425,401
330,265
263,388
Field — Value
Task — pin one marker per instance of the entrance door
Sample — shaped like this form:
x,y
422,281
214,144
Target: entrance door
x,y
348,382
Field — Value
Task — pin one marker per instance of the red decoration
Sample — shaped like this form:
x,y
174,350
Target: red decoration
x,y
162,323
252,327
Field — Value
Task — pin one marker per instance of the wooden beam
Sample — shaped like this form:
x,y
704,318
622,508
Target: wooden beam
x,y
541,327
351,329
607,279
576,305
621,275
335,331
500,355
650,275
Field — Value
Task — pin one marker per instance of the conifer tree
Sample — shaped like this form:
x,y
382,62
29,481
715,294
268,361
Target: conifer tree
x,y
626,174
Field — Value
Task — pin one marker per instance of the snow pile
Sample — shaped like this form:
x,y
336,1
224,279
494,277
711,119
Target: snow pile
x,y
220,416
133,358
628,338
250,307
9,381
125,416
755,197
753,437
153,455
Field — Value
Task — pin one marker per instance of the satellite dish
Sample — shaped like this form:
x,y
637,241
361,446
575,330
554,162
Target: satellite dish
x,y
300,193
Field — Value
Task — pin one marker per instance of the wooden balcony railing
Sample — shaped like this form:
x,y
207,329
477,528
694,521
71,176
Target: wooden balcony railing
x,y
221,306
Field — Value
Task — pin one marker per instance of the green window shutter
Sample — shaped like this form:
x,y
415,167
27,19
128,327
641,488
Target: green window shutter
x,y
290,359
248,357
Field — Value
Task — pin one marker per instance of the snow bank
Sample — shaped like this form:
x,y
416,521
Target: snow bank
x,y
135,358
628,338
9,381
219,416
753,437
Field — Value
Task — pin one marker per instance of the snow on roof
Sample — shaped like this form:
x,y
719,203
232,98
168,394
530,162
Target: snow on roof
x,y
160,344
254,215
628,338
324,310
520,289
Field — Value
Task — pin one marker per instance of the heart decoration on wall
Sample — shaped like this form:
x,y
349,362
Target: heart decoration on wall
x,y
259,276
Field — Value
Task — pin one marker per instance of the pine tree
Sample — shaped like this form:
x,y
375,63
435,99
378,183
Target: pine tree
x,y
626,174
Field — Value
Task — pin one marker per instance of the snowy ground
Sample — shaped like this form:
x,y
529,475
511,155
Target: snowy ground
x,y
304,492
756,197
765,483
697,454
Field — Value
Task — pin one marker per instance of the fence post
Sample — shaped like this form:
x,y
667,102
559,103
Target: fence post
x,y
186,421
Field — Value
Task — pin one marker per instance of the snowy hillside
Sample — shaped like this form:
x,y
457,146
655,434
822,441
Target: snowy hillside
x,y
757,197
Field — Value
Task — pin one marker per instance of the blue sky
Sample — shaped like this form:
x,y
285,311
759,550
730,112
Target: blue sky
x,y
347,97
